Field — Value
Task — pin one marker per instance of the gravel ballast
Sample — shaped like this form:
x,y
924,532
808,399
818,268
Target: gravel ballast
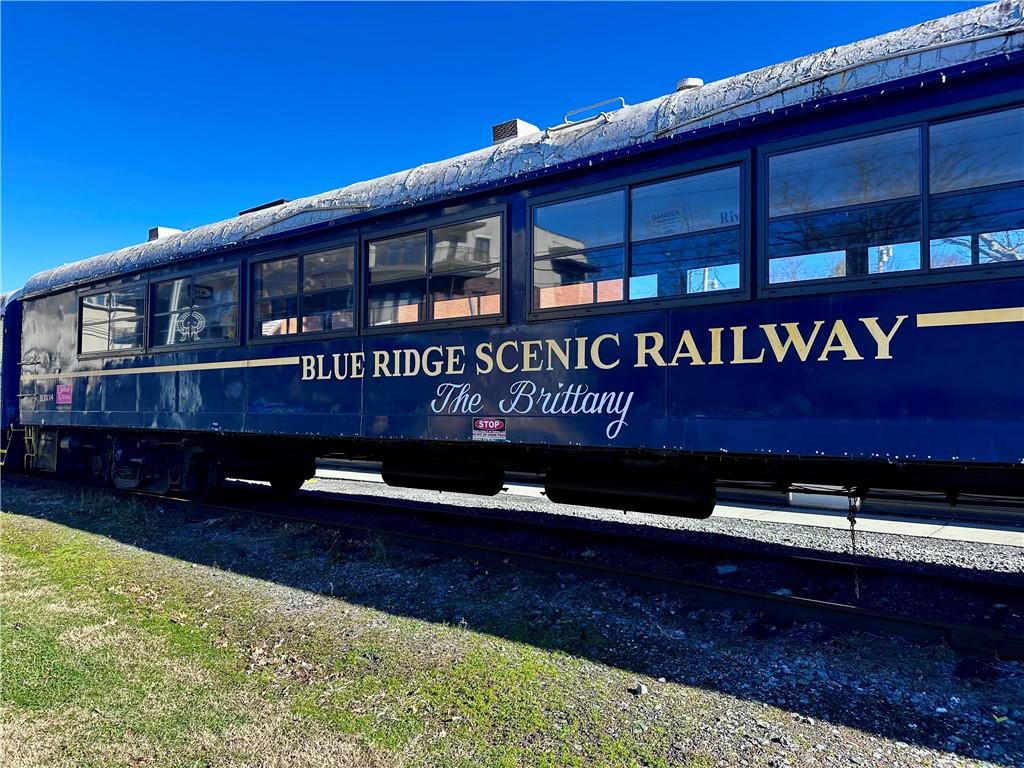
x,y
899,547
420,659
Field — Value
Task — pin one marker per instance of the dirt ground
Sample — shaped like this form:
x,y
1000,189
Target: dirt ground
x,y
137,635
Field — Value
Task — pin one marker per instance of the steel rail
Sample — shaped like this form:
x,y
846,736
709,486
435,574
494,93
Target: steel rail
x,y
972,508
649,536
968,639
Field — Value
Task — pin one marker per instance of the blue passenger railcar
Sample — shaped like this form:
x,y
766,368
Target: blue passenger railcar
x,y
813,272
11,444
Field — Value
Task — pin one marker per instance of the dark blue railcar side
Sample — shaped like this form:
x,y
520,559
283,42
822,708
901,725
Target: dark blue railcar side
x,y
904,379
11,442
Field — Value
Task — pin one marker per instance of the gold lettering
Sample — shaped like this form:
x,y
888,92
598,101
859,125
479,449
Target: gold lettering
x,y
649,345
412,361
562,353
381,365
687,348
716,346
340,373
308,367
320,375
531,355
433,368
839,341
595,351
737,347
484,361
881,338
358,364
794,339
456,364
500,357
581,353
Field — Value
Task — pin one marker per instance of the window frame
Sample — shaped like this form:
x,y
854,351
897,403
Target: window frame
x,y
741,160
975,266
925,274
193,274
85,293
300,253
426,225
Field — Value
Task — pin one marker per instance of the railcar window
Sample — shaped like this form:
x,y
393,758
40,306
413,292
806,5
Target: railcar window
x,y
328,290
682,237
581,224
276,285
196,309
324,303
976,181
465,269
442,274
685,235
112,321
398,280
845,209
578,251
590,277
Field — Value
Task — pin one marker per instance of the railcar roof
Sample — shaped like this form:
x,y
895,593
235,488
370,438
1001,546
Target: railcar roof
x,y
6,298
961,38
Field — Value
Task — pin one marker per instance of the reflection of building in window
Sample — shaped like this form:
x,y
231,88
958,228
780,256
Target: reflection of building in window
x,y
112,321
317,287
578,251
546,241
573,277
441,274
683,239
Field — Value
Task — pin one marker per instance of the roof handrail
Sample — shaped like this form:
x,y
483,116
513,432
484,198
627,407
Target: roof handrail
x,y
568,122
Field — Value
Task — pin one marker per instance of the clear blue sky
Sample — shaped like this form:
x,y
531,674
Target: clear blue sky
x,y
117,117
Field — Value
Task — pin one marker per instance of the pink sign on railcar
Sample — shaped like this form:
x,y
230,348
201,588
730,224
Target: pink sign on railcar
x,y
63,394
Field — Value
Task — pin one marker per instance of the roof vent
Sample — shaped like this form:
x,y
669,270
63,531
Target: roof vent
x,y
689,83
155,233
272,204
511,129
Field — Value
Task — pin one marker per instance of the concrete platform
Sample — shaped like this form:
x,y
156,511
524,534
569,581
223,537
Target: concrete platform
x,y
820,518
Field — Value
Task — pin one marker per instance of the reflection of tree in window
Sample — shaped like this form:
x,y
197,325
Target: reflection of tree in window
x,y
977,184
685,235
845,209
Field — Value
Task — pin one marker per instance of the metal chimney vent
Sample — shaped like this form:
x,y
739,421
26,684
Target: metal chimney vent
x,y
688,83
155,233
511,129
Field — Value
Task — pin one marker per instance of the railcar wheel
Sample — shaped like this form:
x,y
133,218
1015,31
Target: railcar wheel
x,y
98,469
202,476
286,485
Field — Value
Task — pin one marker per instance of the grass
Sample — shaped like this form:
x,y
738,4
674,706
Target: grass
x,y
116,655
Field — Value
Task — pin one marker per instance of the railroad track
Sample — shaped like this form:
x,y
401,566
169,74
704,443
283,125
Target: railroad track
x,y
975,509
834,591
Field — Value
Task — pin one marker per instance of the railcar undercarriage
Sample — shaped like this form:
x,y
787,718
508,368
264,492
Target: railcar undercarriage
x,y
644,481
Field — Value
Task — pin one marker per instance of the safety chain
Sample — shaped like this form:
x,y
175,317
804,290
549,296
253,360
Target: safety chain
x,y
856,498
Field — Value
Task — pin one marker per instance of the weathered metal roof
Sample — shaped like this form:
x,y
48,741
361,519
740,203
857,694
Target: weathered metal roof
x,y
961,38
5,298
